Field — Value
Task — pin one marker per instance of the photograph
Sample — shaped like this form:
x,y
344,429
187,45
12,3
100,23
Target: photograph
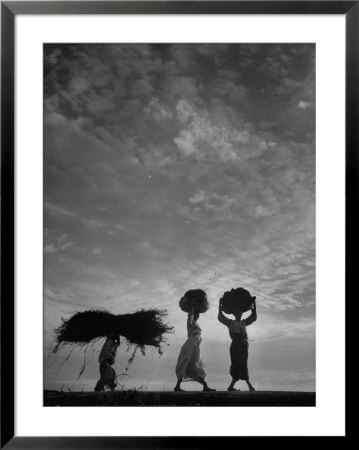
x,y
179,224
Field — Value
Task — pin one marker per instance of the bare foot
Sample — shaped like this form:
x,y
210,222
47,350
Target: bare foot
x,y
208,389
178,389
251,389
233,389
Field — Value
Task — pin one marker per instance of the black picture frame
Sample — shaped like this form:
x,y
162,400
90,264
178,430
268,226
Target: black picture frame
x,y
9,10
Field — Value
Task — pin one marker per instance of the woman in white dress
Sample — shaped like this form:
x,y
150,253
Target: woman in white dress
x,y
190,365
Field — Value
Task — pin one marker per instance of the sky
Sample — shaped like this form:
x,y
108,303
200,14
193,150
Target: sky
x,y
177,167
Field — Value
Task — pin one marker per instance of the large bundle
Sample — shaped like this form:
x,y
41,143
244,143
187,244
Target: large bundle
x,y
237,300
145,327
195,299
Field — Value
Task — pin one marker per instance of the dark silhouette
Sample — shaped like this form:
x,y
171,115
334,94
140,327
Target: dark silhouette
x,y
190,364
239,346
107,360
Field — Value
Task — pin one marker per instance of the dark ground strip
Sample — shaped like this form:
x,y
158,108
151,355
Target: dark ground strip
x,y
168,398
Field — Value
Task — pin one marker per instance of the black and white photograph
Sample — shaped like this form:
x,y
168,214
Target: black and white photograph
x,y
179,218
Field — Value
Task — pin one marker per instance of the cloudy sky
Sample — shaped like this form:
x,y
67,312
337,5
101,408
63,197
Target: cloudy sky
x,y
176,167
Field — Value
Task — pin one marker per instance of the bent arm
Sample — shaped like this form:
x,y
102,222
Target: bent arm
x,y
252,317
105,355
190,318
223,319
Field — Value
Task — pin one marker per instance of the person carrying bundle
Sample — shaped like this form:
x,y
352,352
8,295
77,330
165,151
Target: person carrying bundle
x,y
236,302
140,329
189,364
107,360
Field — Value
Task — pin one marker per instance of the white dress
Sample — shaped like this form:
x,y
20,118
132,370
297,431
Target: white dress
x,y
189,364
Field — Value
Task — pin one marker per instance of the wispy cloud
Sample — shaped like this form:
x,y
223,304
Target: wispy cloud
x,y
171,167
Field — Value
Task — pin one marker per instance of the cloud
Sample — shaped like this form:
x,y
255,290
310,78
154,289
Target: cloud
x,y
157,111
59,211
203,140
60,244
171,167
303,105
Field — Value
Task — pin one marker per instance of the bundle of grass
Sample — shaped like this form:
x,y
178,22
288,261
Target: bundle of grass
x,y
142,328
195,299
237,300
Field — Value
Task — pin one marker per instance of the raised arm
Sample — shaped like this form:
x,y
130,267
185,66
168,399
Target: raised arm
x,y
105,351
253,316
221,317
190,317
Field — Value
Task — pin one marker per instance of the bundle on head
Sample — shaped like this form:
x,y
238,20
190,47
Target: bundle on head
x,y
144,327
237,301
195,299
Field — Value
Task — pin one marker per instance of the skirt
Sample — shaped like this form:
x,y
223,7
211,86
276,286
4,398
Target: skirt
x,y
239,358
189,364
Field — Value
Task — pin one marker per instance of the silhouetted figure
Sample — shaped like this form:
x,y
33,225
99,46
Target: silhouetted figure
x,y
107,360
190,364
239,346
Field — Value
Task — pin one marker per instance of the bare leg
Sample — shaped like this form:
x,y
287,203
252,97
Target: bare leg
x,y
178,385
231,386
99,386
251,388
112,384
205,385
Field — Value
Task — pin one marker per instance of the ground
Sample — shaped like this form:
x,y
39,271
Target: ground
x,y
170,398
